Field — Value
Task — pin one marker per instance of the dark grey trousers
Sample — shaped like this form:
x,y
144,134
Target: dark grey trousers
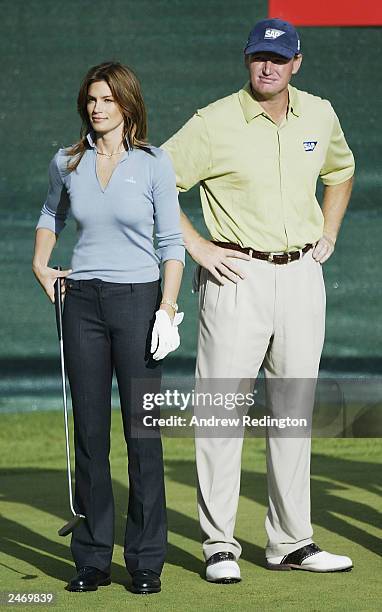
x,y
108,326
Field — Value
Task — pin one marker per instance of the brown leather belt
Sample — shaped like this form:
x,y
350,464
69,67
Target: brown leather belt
x,y
283,258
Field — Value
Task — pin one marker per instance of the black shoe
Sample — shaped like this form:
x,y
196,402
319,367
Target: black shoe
x,y
145,582
88,579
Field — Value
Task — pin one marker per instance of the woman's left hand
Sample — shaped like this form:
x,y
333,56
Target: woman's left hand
x,y
165,337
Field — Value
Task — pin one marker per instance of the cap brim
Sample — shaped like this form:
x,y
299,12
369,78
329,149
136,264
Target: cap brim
x,y
271,46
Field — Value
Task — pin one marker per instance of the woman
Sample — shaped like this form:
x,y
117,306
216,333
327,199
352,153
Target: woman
x,y
116,186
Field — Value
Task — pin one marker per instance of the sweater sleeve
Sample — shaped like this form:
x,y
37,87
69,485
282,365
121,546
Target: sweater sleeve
x,y
56,206
166,210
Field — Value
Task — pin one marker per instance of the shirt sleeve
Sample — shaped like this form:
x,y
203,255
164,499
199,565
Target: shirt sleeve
x,y
56,206
168,230
339,161
190,153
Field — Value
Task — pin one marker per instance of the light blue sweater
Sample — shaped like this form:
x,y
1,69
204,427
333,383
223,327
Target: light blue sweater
x,y
115,225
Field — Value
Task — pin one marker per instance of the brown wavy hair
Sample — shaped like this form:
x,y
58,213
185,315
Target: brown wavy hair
x,y
127,93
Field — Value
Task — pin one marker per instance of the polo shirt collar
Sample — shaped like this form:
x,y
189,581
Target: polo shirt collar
x,y
251,107
294,102
90,137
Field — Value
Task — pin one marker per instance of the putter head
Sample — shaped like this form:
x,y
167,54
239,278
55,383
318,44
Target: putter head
x,y
72,524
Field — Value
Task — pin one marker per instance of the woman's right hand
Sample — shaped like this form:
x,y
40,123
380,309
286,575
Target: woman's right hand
x,y
47,277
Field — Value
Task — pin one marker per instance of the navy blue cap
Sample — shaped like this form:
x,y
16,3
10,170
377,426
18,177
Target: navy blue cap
x,y
274,35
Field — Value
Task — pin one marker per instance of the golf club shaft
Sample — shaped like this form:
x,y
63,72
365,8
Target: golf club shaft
x,y
58,306
68,463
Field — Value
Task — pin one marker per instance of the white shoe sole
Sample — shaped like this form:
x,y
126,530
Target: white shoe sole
x,y
290,566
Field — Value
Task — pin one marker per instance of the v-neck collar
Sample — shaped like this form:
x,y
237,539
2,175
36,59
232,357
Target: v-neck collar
x,y
91,140
104,188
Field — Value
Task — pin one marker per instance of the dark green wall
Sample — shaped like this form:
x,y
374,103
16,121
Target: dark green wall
x,y
186,55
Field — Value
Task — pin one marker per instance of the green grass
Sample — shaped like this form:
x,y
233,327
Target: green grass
x,y
33,558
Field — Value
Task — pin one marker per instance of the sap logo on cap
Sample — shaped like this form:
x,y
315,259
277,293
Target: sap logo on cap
x,y
310,145
272,33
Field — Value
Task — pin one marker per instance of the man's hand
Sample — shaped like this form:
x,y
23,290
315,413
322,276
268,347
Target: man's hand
x,y
324,249
334,204
217,260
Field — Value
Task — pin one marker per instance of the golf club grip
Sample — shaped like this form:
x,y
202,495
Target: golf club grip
x,y
58,304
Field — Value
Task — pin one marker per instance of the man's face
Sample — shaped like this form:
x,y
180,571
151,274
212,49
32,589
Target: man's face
x,y
270,73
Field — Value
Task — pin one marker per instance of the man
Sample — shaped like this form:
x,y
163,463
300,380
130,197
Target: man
x,y
257,155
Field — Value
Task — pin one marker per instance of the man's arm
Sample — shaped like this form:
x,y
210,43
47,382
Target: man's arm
x,y
208,255
190,152
334,205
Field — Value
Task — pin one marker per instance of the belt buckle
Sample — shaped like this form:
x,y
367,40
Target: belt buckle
x,y
271,257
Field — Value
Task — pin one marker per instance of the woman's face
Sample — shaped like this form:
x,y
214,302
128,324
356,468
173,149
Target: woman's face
x,y
104,113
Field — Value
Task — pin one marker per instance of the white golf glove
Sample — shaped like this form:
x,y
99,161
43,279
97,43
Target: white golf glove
x,y
165,337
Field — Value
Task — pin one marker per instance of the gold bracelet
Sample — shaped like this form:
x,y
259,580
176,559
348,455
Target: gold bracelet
x,y
173,305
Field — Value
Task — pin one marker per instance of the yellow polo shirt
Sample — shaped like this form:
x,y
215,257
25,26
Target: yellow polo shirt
x,y
258,179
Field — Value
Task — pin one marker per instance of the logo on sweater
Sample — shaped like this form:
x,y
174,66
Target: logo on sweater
x,y
310,145
272,33
130,179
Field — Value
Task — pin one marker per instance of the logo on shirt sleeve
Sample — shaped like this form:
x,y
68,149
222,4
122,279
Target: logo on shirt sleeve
x,y
309,145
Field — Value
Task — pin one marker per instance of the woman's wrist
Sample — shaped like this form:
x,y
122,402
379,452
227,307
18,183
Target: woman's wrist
x,y
167,308
171,303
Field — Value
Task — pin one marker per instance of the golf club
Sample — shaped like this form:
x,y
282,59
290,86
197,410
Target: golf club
x,y
75,520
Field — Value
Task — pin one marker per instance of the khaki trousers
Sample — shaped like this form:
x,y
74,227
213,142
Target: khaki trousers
x,y
274,317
